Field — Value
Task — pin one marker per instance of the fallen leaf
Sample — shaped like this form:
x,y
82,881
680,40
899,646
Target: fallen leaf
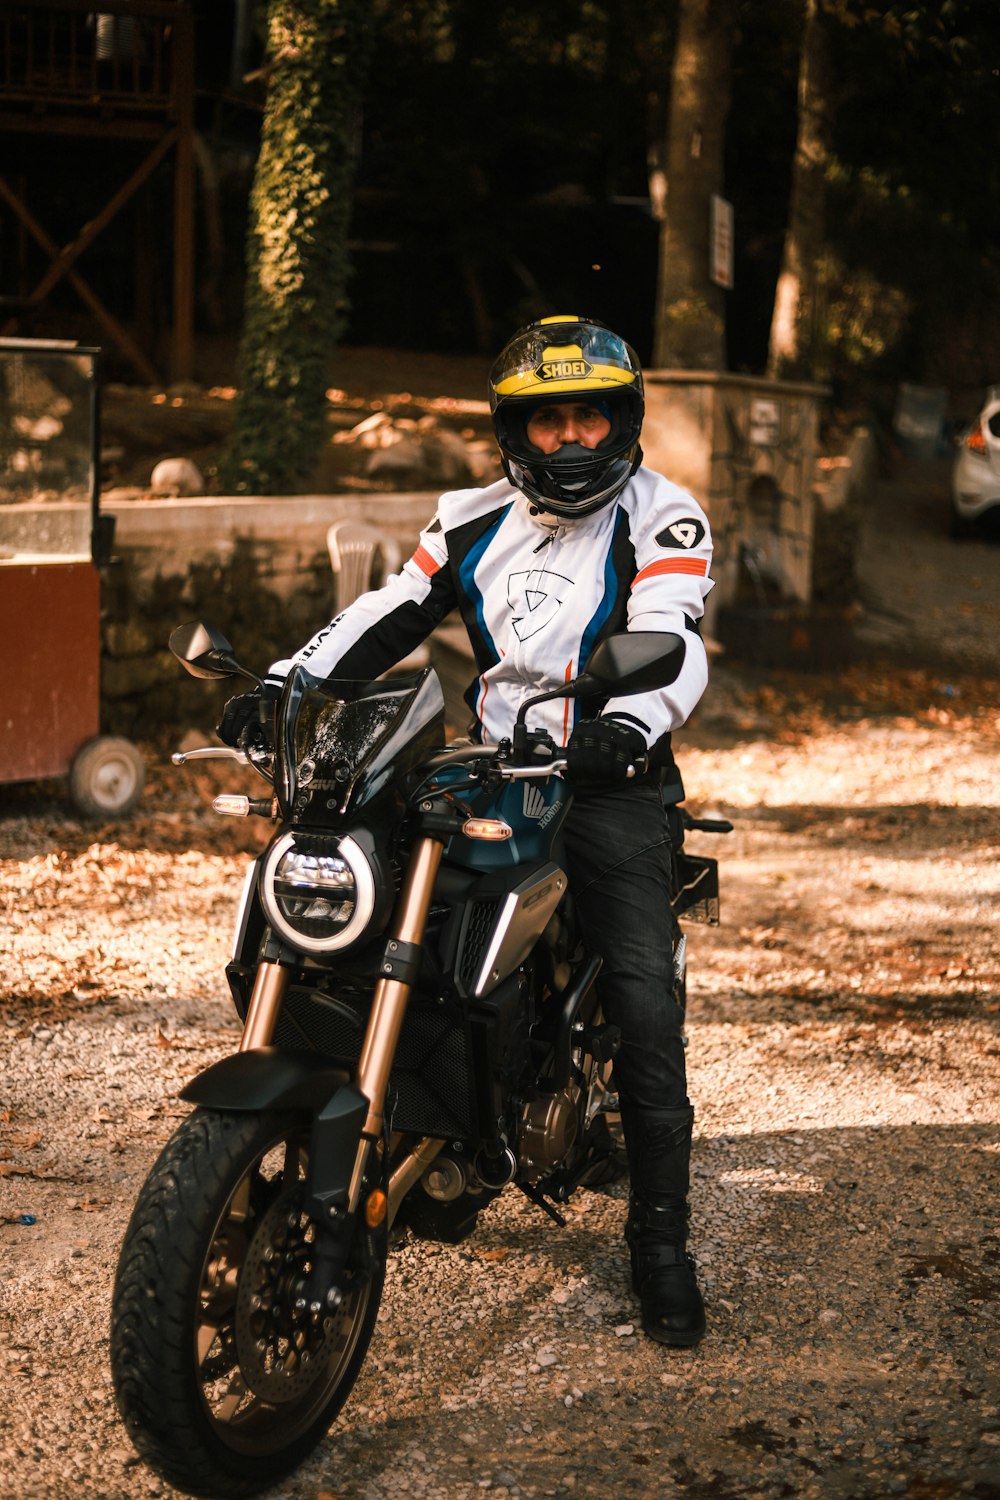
x,y
25,1142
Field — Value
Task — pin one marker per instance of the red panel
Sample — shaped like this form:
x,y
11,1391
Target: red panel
x,y
50,640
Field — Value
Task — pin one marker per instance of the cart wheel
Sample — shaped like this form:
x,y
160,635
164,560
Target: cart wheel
x,y
106,777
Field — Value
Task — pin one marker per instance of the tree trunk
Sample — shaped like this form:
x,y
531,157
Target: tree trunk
x,y
690,307
796,341
297,262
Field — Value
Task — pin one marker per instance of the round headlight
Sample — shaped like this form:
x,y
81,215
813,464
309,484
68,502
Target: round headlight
x,y
319,894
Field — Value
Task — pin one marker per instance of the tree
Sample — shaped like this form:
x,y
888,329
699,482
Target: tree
x,y
690,307
795,341
913,215
297,260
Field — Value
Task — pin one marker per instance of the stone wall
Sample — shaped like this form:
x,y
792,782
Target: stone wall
x,y
256,568
259,570
746,448
818,636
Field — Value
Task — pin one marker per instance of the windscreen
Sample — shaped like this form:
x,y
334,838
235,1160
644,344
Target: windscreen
x,y
339,741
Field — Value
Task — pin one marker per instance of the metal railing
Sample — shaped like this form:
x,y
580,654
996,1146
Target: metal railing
x,y
69,54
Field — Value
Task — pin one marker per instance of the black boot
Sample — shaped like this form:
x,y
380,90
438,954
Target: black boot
x,y
658,1142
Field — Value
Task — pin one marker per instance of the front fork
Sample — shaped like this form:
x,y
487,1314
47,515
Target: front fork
x,y
384,1024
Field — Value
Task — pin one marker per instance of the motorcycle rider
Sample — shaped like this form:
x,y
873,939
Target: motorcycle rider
x,y
576,542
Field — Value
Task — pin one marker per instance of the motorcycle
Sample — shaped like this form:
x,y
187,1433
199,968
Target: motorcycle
x,y
421,1030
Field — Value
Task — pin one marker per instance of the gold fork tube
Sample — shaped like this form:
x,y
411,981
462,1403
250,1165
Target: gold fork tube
x,y
269,989
391,995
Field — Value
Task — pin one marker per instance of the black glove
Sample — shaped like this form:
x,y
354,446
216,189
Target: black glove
x,y
243,713
601,750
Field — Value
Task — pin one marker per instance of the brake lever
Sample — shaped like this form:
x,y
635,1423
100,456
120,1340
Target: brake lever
x,y
211,752
524,773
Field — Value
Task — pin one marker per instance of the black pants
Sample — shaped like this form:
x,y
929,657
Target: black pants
x,y
618,857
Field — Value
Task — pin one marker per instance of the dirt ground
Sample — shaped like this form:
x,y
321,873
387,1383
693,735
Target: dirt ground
x,y
844,1034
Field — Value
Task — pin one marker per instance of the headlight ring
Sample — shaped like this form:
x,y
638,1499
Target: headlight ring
x,y
318,895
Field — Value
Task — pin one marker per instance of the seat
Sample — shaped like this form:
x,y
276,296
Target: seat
x,y
362,558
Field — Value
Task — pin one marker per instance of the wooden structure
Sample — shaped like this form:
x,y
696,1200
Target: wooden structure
x,y
123,72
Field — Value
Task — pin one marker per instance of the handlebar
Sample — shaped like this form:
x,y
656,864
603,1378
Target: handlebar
x,y
472,753
448,757
707,825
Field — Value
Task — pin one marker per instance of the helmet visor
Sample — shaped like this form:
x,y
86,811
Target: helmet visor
x,y
563,356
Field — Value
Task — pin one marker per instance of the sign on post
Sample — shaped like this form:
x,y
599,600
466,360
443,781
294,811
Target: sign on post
x,y
765,422
721,241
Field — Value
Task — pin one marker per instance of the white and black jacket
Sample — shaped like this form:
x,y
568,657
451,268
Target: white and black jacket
x,y
536,596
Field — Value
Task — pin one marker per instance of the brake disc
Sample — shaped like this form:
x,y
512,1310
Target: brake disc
x,y
281,1348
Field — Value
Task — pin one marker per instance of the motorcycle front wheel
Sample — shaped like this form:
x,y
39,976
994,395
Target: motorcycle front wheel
x,y
224,1380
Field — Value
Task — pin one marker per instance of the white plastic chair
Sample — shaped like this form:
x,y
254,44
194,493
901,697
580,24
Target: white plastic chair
x,y
362,558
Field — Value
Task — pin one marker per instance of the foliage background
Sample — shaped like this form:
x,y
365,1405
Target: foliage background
x,y
506,148
504,169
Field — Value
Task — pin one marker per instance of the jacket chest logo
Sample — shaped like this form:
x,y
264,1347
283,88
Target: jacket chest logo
x,y
535,598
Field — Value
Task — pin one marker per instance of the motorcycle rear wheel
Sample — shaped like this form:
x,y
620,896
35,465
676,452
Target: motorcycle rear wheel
x,y
222,1387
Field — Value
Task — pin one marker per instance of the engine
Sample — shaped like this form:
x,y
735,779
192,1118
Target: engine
x,y
548,1132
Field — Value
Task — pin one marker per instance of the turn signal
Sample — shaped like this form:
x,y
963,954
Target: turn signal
x,y
976,442
487,828
376,1205
231,804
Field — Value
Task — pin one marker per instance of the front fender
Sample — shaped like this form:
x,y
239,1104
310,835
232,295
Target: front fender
x,y
267,1078
277,1078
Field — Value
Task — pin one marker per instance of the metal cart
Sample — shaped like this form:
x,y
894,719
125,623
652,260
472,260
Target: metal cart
x,y
53,541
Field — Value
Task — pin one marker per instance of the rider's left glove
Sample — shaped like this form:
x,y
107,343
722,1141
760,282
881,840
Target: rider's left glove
x,y
248,712
600,751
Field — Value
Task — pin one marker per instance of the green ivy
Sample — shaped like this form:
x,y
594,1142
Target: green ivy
x,y
297,258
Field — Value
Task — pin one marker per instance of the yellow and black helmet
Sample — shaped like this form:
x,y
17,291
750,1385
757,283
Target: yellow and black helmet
x,y
564,360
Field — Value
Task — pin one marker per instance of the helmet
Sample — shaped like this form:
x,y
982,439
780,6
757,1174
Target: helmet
x,y
563,360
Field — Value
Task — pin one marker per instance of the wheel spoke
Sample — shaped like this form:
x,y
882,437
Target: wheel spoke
x,y
294,1161
209,1334
233,1399
239,1204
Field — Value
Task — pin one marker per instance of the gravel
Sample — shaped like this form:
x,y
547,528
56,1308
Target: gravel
x,y
844,1060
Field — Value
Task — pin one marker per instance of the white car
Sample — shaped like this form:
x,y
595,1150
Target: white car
x,y
975,477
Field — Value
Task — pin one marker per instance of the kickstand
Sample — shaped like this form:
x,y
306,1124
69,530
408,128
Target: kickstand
x,y
540,1201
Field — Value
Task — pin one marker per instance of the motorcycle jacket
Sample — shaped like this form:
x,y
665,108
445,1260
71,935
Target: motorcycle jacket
x,y
536,595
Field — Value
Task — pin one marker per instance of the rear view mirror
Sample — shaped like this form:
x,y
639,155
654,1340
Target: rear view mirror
x,y
205,652
634,662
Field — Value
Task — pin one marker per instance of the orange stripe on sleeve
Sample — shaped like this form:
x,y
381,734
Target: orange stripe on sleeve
x,y
695,565
425,562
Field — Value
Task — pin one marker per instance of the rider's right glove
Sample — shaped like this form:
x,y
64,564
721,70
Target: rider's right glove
x,y
243,713
600,751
